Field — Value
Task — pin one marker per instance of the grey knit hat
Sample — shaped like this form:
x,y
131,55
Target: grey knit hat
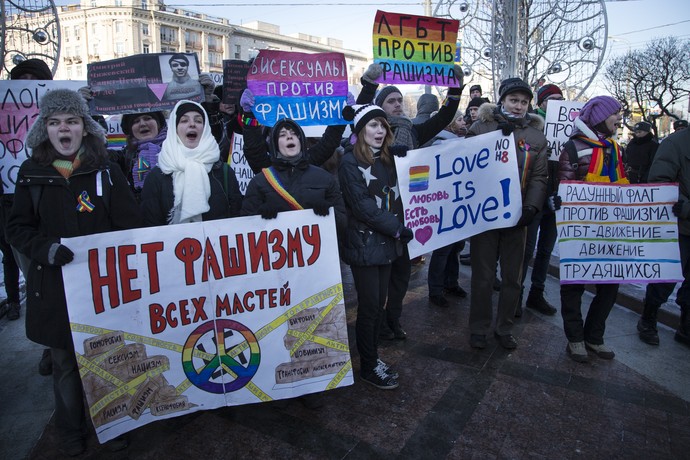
x,y
384,93
61,101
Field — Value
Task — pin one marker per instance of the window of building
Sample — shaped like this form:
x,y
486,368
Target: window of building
x,y
145,49
192,39
77,32
214,42
144,29
118,2
69,72
119,49
119,27
144,5
94,49
66,34
238,52
215,59
78,72
94,3
93,28
168,34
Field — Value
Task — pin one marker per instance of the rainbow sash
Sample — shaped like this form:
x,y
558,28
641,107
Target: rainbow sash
x,y
274,182
599,171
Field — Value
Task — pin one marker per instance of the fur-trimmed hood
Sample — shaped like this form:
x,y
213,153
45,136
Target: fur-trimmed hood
x,y
491,112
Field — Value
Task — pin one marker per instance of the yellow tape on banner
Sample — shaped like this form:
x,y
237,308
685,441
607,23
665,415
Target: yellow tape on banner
x,y
182,387
317,321
340,375
256,391
99,359
330,343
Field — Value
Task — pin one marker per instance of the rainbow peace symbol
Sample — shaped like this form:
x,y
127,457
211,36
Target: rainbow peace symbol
x,y
208,376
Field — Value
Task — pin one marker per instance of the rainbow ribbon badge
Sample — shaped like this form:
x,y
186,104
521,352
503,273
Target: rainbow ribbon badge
x,y
85,204
144,166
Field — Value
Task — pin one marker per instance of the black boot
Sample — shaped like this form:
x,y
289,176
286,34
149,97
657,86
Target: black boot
x,y
683,332
536,301
646,326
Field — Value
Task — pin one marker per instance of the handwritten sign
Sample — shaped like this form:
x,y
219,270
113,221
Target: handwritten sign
x,y
459,188
558,128
19,108
415,49
308,88
144,83
238,162
234,80
171,320
618,233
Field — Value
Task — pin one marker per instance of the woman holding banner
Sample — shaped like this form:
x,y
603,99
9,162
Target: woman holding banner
x,y
591,155
190,183
375,235
66,188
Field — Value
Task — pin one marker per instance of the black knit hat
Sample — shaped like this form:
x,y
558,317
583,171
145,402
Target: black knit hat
x,y
477,102
361,115
188,107
35,67
514,85
384,93
680,124
642,126
475,88
129,118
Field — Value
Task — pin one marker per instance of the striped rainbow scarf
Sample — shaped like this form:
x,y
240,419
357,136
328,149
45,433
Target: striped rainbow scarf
x,y
274,182
67,167
599,169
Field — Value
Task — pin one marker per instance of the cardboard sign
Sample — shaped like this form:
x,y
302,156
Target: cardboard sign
x,y
171,320
459,188
610,233
144,83
415,49
238,162
19,109
308,88
558,128
234,80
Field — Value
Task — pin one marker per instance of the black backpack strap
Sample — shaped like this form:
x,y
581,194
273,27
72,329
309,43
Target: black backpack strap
x,y
573,158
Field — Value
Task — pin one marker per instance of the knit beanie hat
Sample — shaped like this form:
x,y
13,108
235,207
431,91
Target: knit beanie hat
x,y
58,101
513,85
475,88
598,109
188,107
384,93
476,102
642,126
362,114
291,125
546,91
129,118
35,67
680,124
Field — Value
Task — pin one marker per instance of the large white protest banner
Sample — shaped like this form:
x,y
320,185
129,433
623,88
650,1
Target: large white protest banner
x,y
19,109
171,320
558,126
459,188
609,233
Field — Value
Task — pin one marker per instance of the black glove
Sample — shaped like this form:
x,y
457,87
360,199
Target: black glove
x,y
678,208
406,235
506,128
528,213
399,150
322,209
555,202
268,211
60,255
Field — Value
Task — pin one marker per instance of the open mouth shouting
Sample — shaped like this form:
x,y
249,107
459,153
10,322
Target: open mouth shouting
x,y
190,127
65,132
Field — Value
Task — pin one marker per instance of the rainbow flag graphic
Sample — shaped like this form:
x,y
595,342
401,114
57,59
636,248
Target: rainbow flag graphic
x,y
116,141
419,178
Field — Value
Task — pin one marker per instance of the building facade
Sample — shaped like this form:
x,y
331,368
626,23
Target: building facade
x,y
99,30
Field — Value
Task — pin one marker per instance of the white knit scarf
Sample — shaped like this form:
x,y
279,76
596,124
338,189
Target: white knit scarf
x,y
189,169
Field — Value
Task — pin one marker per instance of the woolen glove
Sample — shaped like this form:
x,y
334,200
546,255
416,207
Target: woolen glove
x,y
268,211
59,255
406,235
459,75
555,202
206,82
677,208
399,150
322,209
372,73
247,100
85,92
506,128
528,213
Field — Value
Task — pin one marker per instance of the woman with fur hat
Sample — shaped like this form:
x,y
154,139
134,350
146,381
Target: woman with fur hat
x,y
290,182
66,188
375,234
591,155
145,134
507,245
190,183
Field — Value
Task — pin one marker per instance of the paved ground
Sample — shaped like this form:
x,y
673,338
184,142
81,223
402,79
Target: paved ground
x,y
453,402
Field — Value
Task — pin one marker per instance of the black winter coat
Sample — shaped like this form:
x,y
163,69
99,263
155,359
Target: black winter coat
x,y
310,185
158,198
34,231
638,157
370,236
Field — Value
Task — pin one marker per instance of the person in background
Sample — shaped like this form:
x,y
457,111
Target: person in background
x,y
190,183
507,245
426,105
670,165
30,69
69,164
591,155
639,153
145,134
375,235
680,125
475,91
541,233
